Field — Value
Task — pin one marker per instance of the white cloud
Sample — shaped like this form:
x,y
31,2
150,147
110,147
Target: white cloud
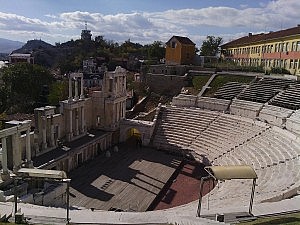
x,y
51,16
20,23
145,27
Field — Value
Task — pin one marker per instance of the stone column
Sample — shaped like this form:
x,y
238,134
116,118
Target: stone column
x,y
76,122
4,156
52,141
76,90
28,147
120,110
16,151
44,133
124,109
70,88
71,125
113,114
81,88
82,120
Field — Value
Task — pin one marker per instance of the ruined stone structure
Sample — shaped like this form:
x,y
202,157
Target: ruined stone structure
x,y
63,138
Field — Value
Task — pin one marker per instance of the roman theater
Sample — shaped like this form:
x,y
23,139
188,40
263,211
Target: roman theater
x,y
107,169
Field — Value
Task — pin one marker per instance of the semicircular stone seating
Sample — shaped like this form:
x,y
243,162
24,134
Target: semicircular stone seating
x,y
224,139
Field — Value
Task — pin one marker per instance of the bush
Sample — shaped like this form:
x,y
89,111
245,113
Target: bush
x,y
279,70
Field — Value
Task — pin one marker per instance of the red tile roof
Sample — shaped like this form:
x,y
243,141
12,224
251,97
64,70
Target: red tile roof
x,y
262,37
182,40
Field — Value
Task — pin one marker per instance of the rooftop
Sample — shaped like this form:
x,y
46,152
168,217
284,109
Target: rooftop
x,y
254,38
182,40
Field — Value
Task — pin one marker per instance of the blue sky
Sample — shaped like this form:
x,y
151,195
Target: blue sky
x,y
143,21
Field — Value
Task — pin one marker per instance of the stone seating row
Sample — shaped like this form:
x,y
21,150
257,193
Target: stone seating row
x,y
264,89
224,134
179,126
274,183
293,122
267,149
229,91
275,157
290,98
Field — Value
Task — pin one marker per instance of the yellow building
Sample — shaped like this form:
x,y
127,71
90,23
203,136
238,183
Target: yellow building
x,y
180,50
280,49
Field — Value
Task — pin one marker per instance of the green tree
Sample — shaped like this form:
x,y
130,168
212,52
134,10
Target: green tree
x,y
210,47
24,84
58,92
156,50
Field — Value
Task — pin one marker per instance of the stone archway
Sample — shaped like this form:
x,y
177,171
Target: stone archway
x,y
134,137
131,128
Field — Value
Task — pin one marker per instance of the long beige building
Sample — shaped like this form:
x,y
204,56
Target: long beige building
x,y
279,49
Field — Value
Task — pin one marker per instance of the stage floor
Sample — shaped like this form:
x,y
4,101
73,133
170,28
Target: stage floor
x,y
129,180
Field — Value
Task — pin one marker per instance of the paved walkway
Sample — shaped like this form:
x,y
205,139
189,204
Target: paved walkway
x,y
181,215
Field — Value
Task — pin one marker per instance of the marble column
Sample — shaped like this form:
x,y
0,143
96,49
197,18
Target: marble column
x,y
4,156
76,122
124,109
16,151
44,133
81,88
70,125
76,90
70,89
82,120
113,114
28,147
52,141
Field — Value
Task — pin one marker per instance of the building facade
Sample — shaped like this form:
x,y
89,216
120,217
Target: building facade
x,y
180,51
280,49
65,137
21,58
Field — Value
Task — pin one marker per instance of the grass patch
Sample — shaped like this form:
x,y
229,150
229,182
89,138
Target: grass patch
x,y
289,219
196,83
220,80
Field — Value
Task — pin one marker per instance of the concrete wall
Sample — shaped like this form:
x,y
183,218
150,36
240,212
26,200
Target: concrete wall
x,y
293,122
165,84
53,195
184,100
213,104
245,108
275,115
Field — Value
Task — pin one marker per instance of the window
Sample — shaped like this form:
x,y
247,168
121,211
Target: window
x,y
173,44
287,47
293,46
284,65
291,64
298,46
296,64
276,48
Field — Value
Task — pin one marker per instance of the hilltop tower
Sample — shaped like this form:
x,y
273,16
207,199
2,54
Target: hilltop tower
x,y
86,34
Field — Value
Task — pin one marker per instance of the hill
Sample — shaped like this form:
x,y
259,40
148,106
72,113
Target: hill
x,y
33,45
44,53
7,46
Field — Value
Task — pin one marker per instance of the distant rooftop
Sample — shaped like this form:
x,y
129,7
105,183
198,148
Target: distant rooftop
x,y
253,38
182,40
